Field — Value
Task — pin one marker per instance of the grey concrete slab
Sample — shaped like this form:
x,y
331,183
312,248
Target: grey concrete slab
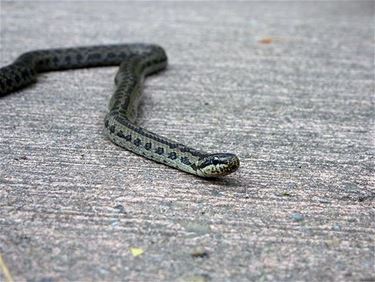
x,y
287,86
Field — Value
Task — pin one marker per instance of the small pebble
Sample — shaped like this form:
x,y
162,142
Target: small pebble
x,y
114,222
297,217
120,208
199,253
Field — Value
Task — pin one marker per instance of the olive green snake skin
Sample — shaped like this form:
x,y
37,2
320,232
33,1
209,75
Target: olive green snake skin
x,y
136,61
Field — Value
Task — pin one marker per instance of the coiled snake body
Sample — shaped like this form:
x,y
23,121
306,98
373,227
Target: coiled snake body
x,y
136,61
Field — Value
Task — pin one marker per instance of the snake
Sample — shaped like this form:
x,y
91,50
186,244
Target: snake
x,y
136,61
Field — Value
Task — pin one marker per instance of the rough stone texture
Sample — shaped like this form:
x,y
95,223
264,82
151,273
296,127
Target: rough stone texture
x,y
287,86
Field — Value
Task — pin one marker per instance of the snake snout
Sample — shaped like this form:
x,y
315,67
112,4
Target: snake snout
x,y
214,165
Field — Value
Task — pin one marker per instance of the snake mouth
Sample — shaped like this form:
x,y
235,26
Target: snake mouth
x,y
214,165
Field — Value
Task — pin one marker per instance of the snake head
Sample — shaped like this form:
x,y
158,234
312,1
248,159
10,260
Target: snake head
x,y
214,165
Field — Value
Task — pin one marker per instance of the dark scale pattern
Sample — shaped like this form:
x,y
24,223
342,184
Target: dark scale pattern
x,y
17,78
185,160
25,74
68,59
172,155
79,57
55,60
137,142
8,82
159,151
120,134
111,55
157,138
94,56
148,146
112,128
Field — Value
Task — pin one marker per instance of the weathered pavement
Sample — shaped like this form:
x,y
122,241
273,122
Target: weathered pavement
x,y
288,87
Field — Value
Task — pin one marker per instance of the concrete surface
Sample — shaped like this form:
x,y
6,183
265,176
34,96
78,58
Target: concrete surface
x,y
287,86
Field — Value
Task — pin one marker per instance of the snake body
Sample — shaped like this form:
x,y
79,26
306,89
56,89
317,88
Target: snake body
x,y
136,61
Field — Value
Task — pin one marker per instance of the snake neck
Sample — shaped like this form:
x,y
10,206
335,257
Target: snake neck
x,y
126,134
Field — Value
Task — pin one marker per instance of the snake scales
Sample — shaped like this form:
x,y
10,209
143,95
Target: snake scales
x,y
136,61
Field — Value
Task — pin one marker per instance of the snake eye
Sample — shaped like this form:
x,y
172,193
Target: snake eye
x,y
215,161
